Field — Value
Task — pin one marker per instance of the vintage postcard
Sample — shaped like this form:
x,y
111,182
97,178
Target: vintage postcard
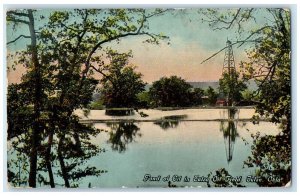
x,y
156,97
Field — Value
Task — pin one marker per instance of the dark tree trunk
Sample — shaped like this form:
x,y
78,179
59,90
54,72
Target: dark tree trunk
x,y
48,159
62,163
37,104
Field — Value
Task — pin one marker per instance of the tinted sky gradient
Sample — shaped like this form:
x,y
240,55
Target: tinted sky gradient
x,y
191,41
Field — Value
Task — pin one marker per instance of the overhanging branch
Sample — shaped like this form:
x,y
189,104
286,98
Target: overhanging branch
x,y
18,13
12,41
19,20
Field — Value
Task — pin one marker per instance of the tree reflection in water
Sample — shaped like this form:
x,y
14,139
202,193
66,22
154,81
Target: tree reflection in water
x,y
170,121
121,134
229,129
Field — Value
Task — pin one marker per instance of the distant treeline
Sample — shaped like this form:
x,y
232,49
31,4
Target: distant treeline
x,y
170,91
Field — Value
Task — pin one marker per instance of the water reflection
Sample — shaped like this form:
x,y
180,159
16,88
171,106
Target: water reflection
x,y
121,134
170,121
229,129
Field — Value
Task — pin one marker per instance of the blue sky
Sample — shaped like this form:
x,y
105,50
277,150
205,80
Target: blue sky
x,y
191,40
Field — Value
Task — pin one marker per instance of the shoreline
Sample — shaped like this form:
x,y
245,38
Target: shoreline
x,y
202,107
171,115
92,121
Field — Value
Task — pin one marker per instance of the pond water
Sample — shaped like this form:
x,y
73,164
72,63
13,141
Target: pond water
x,y
174,148
170,144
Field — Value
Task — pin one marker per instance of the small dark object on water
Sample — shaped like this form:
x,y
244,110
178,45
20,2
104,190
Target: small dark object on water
x,y
119,111
142,114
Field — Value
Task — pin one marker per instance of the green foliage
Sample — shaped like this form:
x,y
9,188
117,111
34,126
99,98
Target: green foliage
x,y
269,65
196,96
170,92
247,95
271,157
19,109
212,95
144,99
60,62
17,169
96,105
269,53
232,87
121,83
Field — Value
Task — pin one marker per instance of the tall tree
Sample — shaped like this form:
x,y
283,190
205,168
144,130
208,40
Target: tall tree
x,y
269,65
75,44
121,83
232,87
212,95
269,53
63,81
26,17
